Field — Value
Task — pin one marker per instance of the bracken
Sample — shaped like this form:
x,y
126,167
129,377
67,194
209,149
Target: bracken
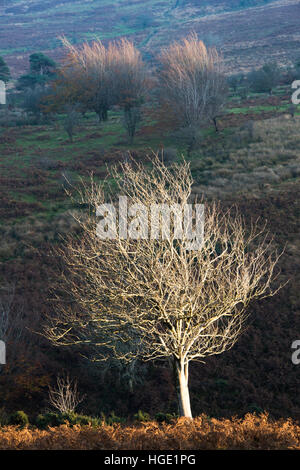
x,y
251,432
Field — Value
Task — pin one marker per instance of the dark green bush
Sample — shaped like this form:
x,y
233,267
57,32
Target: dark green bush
x,y
56,419
19,418
49,419
82,420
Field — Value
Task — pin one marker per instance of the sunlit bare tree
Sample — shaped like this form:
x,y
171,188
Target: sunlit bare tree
x,y
100,77
192,82
152,297
86,72
65,396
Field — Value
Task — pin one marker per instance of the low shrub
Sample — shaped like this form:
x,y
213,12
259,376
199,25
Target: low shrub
x,y
19,418
142,417
82,420
51,419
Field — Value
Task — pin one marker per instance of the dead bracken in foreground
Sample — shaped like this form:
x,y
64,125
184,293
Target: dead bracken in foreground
x,y
251,432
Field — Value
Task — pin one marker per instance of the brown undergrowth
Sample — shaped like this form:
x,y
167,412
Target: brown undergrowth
x,y
252,432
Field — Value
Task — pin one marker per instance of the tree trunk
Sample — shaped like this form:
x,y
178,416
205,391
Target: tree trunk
x,y
215,124
183,394
104,114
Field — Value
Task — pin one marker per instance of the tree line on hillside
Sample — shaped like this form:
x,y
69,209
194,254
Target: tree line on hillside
x,y
187,87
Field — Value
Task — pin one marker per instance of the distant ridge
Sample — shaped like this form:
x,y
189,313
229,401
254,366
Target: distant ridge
x,y
248,32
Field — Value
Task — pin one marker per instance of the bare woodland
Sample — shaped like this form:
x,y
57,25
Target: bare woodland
x,y
188,84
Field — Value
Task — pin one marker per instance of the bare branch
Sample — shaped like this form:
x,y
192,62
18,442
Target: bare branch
x,y
65,397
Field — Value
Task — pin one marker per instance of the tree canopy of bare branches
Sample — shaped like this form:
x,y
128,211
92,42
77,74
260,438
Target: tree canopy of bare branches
x,y
192,82
87,73
151,297
100,77
65,396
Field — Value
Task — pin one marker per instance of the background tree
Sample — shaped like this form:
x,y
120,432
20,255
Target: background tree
x,y
41,64
71,120
192,84
42,70
264,79
34,101
130,82
4,71
131,119
100,77
235,80
66,91
90,65
155,299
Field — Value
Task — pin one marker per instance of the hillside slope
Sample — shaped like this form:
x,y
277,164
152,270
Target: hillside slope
x,y
248,32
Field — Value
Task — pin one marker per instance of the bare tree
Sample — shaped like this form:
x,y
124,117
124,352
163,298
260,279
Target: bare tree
x,y
151,297
86,71
234,81
264,79
192,82
65,396
102,76
132,117
130,82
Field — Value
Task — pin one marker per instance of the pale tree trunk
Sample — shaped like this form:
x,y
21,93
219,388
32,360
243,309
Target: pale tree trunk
x,y
181,372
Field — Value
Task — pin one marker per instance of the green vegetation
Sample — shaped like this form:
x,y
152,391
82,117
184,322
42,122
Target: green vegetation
x,y
19,418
